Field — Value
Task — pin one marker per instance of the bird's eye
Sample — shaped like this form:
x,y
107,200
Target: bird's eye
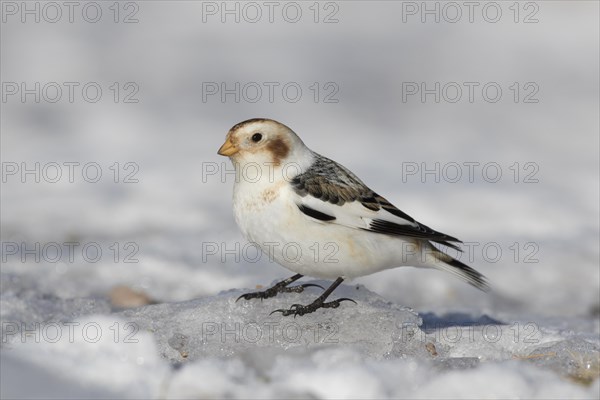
x,y
256,137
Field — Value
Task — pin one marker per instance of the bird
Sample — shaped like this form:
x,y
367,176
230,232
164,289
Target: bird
x,y
315,217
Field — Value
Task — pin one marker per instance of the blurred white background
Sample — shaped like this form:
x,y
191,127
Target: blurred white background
x,y
171,57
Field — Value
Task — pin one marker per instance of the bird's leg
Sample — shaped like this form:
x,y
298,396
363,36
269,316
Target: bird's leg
x,y
279,288
299,309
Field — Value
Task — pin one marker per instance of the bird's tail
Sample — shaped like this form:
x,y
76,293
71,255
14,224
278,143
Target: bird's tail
x,y
457,268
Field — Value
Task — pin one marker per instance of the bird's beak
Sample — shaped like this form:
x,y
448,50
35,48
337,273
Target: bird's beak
x,y
228,148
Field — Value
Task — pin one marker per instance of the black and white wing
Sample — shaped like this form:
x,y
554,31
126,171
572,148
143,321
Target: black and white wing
x,y
330,193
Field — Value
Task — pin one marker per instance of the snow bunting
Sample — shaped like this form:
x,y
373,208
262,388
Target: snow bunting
x,y
315,217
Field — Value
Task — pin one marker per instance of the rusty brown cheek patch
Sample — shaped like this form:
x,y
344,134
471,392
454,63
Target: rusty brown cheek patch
x,y
279,149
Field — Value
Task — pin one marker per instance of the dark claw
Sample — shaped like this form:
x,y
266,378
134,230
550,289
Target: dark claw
x,y
336,303
272,292
299,309
254,295
244,296
290,311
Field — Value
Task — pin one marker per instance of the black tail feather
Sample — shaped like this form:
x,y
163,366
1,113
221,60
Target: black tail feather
x,y
471,276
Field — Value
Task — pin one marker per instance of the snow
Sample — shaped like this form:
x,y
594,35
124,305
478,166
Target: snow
x,y
216,347
154,313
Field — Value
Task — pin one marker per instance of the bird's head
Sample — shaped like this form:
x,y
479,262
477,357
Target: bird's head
x,y
262,140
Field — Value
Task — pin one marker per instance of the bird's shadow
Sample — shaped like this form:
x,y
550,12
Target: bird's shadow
x,y
432,322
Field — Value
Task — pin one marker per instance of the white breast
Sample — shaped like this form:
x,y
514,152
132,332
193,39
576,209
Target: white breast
x,y
268,216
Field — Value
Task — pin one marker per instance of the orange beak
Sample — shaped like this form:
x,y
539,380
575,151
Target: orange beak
x,y
228,148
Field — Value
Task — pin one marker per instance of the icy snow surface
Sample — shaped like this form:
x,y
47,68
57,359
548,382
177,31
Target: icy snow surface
x,y
217,347
126,287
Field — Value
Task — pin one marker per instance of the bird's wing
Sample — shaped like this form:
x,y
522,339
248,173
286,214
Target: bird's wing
x,y
330,193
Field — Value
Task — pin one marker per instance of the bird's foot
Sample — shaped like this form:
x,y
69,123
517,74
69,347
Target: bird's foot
x,y
299,309
275,290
